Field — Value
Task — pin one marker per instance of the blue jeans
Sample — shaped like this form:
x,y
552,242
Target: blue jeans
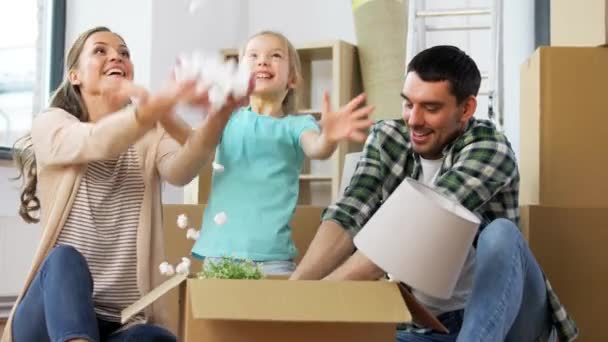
x,y
58,306
509,298
451,320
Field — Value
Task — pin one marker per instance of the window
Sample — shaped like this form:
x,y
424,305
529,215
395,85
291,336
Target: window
x,y
31,36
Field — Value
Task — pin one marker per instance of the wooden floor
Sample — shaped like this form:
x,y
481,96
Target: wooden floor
x,y
2,323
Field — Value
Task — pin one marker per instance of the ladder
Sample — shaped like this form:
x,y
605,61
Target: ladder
x,y
492,78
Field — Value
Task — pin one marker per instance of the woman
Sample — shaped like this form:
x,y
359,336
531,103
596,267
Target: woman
x,y
97,163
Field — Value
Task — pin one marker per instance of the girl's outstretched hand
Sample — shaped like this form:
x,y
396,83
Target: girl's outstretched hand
x,y
349,122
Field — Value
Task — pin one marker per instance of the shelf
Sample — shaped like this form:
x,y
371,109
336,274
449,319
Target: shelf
x,y
313,178
315,52
230,53
313,112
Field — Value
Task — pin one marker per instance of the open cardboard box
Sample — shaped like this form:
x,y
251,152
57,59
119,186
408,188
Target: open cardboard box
x,y
282,310
304,227
256,310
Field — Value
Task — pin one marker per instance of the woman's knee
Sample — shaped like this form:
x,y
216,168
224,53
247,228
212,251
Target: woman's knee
x,y
65,258
65,254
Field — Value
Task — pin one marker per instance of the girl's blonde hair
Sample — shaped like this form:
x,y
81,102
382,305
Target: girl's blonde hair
x,y
67,97
295,69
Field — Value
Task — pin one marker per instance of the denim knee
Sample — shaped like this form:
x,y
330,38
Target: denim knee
x,y
65,257
501,234
65,254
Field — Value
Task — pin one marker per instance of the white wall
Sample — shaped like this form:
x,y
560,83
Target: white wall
x,y
215,25
18,240
518,40
304,21
131,19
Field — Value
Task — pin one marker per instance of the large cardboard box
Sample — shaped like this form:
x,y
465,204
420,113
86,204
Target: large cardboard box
x,y
283,310
579,23
304,226
570,246
564,125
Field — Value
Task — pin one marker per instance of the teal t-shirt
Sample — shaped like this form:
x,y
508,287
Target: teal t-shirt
x,y
258,189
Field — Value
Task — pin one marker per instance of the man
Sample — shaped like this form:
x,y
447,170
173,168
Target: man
x,y
501,293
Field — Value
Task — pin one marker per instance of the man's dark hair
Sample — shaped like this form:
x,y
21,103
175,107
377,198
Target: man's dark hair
x,y
448,63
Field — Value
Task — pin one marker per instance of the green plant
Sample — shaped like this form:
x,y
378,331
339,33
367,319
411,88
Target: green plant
x,y
228,268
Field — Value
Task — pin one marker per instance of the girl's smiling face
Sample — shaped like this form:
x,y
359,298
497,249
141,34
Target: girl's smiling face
x,y
268,59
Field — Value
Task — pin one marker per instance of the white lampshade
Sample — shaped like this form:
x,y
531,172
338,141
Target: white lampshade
x,y
420,237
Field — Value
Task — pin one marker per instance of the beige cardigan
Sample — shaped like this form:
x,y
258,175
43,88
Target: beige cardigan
x,y
63,145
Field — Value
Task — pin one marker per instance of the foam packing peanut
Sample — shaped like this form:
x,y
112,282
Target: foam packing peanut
x,y
221,78
193,234
195,5
166,269
182,221
217,167
220,218
183,267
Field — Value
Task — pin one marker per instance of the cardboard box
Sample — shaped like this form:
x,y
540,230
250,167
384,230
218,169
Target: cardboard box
x,y
570,246
2,324
564,124
305,223
283,310
579,23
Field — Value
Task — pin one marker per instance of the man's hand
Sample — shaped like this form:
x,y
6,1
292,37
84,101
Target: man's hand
x,y
330,247
357,267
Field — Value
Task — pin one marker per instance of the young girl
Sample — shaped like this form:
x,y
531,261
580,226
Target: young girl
x,y
262,150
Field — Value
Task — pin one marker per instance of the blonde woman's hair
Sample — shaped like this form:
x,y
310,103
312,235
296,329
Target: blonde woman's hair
x,y
295,69
67,97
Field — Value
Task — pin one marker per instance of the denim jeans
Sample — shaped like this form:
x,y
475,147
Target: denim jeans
x,y
278,267
451,320
58,306
509,298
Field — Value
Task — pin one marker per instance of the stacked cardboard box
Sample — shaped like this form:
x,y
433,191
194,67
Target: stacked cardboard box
x,y
579,23
569,243
563,159
564,126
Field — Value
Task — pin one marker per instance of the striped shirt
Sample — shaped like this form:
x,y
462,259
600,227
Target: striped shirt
x,y
479,170
102,225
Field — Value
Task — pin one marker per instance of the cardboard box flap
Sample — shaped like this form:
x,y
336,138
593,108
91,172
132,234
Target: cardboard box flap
x,y
297,301
151,297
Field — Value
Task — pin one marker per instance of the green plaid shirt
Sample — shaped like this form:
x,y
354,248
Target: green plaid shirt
x,y
479,170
